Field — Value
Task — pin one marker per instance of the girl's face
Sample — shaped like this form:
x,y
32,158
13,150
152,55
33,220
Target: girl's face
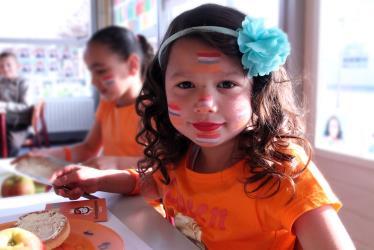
x,y
207,92
109,72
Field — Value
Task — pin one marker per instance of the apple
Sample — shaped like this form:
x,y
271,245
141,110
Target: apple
x,y
17,185
41,188
16,238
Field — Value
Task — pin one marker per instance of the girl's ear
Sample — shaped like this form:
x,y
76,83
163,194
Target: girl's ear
x,y
134,64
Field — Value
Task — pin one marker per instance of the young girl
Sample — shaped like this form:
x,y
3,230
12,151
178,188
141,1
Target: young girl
x,y
223,141
117,60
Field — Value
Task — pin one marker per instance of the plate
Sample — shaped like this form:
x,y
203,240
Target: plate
x,y
86,235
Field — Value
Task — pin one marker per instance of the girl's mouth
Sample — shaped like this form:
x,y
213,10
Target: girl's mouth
x,y
206,126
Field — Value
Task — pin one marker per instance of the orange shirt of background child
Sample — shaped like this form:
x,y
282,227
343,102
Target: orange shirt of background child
x,y
119,126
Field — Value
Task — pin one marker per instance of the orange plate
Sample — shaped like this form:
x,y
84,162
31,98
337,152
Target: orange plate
x,y
86,235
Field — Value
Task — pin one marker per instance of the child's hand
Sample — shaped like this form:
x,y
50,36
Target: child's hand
x,y
79,179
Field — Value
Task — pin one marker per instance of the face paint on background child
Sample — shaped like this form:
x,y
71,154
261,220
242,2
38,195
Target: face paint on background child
x,y
108,80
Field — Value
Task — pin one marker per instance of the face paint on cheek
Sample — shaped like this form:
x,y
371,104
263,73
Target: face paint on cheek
x,y
174,114
242,117
174,109
208,137
108,80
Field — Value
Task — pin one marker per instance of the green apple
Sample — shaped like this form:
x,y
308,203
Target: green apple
x,y
16,238
16,185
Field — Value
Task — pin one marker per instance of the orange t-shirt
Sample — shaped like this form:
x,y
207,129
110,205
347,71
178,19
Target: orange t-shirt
x,y
213,210
119,126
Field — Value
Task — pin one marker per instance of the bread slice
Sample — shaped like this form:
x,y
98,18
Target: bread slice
x,y
39,168
50,226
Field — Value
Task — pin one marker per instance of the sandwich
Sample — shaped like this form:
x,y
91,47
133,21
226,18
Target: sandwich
x,y
50,226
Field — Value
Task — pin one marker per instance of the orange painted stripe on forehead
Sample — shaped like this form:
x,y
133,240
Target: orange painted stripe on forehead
x,y
206,68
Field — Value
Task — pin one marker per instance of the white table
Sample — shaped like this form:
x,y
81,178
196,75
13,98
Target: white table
x,y
151,230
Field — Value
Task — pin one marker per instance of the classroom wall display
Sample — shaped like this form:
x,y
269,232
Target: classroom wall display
x,y
53,70
345,93
140,16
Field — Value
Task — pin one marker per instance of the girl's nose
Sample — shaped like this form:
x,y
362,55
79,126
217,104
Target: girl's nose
x,y
205,105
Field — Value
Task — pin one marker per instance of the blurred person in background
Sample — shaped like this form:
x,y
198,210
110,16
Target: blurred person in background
x,y
117,60
15,101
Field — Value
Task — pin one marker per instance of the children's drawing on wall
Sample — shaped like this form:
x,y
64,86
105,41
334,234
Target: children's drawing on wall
x,y
333,130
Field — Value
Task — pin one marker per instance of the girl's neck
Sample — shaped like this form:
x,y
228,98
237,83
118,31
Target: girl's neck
x,y
130,95
215,159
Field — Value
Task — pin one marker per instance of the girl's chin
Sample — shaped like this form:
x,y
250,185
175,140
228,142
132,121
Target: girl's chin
x,y
207,143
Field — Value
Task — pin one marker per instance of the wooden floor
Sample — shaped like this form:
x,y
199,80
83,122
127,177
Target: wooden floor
x,y
354,185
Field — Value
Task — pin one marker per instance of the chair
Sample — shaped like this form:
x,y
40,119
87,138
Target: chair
x,y
4,149
39,129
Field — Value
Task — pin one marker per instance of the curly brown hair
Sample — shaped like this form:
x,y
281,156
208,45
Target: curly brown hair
x,y
276,120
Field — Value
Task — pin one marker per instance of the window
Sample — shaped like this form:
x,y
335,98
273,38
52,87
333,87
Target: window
x,y
345,92
48,38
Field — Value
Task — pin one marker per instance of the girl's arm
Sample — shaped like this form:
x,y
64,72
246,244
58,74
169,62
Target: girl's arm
x,y
113,162
81,179
321,229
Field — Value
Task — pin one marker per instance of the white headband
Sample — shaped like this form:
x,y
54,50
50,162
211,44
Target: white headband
x,y
184,32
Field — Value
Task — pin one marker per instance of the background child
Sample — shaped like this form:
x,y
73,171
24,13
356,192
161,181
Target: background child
x,y
223,140
117,60
16,101
333,130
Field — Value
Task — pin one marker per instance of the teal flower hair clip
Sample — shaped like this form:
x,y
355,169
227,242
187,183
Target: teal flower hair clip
x,y
264,50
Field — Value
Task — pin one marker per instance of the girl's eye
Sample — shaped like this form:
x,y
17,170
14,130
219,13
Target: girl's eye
x,y
185,85
226,85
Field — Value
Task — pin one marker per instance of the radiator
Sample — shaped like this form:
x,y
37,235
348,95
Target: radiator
x,y
69,114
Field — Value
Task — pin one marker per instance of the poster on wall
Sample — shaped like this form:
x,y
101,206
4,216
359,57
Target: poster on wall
x,y
345,96
53,70
140,16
